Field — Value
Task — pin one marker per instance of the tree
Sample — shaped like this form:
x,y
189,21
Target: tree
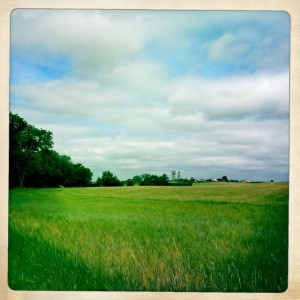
x,y
34,163
163,180
137,179
98,181
129,182
80,175
24,144
148,179
109,179
45,170
192,180
224,178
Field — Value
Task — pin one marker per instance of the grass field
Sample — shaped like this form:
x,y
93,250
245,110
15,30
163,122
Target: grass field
x,y
220,237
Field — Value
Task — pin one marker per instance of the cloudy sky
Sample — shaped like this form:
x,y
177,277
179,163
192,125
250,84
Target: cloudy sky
x,y
133,92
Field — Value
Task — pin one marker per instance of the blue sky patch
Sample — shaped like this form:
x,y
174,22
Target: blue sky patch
x,y
38,66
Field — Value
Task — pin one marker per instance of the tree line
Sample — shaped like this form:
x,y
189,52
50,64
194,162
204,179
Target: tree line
x,y
109,179
34,163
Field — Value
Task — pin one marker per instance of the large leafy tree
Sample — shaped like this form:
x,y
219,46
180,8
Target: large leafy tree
x,y
34,163
224,178
25,144
45,170
79,176
109,179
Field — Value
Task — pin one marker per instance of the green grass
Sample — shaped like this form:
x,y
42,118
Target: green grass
x,y
216,237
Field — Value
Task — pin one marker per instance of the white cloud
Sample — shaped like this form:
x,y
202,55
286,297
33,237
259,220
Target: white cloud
x,y
93,40
256,96
121,108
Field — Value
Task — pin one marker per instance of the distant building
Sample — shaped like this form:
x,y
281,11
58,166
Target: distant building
x,y
245,181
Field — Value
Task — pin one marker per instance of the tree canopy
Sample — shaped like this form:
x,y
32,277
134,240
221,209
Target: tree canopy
x,y
108,179
34,163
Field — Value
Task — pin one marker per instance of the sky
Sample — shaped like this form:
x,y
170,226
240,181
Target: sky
x,y
205,93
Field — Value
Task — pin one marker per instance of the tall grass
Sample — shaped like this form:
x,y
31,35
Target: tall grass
x,y
214,237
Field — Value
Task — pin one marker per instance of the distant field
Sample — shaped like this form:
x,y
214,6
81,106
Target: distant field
x,y
215,237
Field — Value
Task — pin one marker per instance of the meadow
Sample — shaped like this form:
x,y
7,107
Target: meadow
x,y
214,237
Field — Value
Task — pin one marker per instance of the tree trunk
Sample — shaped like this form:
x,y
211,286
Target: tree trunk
x,y
21,179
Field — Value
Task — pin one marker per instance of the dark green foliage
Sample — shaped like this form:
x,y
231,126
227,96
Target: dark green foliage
x,y
129,182
224,178
33,162
25,142
136,179
98,181
147,179
109,179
